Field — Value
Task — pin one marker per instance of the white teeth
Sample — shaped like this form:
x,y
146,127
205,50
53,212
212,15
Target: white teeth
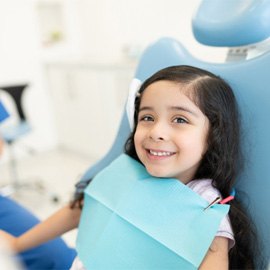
x,y
160,154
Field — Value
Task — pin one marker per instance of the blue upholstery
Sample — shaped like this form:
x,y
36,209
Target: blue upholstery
x,y
54,255
231,23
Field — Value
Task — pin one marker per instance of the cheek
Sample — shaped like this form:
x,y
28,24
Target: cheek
x,y
205,139
196,143
200,139
136,140
202,145
205,148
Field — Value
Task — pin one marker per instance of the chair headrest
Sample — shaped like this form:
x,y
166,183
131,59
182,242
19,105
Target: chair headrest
x,y
231,23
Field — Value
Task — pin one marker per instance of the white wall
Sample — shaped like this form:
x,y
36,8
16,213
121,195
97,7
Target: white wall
x,y
20,62
97,31
110,26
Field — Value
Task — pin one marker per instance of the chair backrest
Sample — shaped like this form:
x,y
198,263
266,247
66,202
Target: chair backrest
x,y
16,92
13,131
250,80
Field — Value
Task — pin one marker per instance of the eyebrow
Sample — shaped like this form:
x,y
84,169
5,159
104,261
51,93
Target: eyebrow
x,y
173,108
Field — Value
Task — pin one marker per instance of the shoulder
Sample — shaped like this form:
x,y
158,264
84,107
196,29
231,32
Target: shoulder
x,y
204,188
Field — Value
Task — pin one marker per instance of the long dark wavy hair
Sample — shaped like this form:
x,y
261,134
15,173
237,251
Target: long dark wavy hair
x,y
222,160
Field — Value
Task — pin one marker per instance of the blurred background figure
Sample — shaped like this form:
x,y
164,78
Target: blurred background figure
x,y
7,259
15,219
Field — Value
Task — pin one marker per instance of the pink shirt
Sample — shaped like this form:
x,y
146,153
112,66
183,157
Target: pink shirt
x,y
205,189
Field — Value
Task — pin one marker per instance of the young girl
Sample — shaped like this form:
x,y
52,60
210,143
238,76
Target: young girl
x,y
187,128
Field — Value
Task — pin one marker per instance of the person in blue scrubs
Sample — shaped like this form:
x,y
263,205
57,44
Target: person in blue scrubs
x,y
16,219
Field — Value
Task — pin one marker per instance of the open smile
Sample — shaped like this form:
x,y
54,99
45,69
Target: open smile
x,y
159,153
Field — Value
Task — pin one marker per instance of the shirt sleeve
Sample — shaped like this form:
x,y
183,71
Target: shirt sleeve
x,y
205,189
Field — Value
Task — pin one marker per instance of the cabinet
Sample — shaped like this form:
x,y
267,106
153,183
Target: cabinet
x,y
88,102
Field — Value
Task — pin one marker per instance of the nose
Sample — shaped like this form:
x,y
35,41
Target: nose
x,y
158,132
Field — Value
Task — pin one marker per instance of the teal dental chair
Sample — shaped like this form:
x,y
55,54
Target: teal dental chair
x,y
239,25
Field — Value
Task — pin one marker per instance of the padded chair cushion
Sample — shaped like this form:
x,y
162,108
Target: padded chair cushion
x,y
232,22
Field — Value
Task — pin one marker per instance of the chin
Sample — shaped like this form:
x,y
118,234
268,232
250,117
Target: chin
x,y
156,173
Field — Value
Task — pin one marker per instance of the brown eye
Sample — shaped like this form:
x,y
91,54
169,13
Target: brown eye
x,y
180,120
146,118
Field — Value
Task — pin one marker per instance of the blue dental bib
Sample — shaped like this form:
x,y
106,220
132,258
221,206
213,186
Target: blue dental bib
x,y
131,220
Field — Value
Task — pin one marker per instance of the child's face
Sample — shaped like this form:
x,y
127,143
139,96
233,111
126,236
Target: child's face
x,y
171,134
